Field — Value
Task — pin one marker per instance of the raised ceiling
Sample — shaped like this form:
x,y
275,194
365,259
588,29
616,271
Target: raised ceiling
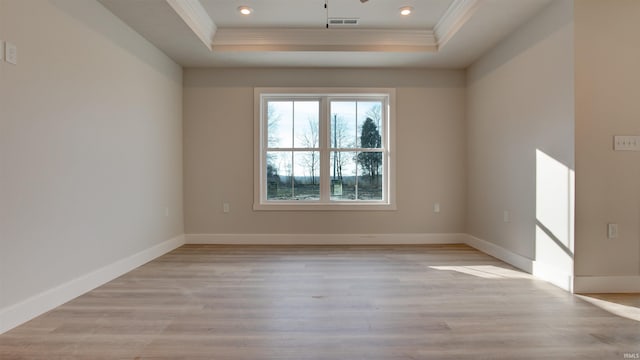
x,y
374,14
294,33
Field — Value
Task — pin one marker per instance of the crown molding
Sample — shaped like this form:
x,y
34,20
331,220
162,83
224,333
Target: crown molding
x,y
454,19
324,40
196,17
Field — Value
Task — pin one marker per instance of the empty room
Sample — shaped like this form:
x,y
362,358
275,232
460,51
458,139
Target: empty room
x,y
319,179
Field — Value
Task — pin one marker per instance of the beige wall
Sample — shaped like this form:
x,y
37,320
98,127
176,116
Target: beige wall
x,y
520,111
218,143
4,128
90,145
607,104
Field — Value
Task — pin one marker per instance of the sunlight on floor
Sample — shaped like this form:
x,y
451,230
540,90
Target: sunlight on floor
x,y
485,271
625,311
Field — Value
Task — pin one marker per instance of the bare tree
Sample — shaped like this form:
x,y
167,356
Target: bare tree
x,y
273,119
375,114
309,139
340,139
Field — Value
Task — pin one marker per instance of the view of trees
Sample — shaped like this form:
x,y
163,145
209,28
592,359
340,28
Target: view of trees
x,y
295,174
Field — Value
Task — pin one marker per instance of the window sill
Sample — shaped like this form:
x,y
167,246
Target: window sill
x,y
289,206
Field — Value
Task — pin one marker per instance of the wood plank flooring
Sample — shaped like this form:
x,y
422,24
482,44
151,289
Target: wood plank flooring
x,y
325,302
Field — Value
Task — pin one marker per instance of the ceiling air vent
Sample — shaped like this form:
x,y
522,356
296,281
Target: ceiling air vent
x,y
343,21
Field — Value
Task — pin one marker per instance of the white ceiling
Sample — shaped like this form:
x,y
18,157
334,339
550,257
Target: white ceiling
x,y
374,14
293,33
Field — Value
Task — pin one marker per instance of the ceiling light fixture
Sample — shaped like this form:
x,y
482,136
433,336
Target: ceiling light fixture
x,y
406,10
245,10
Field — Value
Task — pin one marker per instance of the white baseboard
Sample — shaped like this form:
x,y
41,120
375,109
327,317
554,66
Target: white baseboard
x,y
606,284
34,306
324,239
511,258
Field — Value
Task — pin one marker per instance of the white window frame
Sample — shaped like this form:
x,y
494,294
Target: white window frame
x,y
387,95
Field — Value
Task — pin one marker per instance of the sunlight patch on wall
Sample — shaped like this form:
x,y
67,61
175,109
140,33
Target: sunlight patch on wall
x,y
555,188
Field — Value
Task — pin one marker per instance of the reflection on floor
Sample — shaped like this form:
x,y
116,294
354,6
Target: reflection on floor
x,y
625,305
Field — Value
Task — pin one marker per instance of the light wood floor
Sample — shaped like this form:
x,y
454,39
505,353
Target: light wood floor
x,y
325,302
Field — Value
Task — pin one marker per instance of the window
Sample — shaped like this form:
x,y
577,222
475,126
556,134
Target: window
x,y
324,149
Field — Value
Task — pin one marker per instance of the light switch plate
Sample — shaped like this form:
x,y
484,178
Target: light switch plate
x,y
626,143
11,53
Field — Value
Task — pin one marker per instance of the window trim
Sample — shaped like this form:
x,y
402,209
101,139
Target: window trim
x,y
326,94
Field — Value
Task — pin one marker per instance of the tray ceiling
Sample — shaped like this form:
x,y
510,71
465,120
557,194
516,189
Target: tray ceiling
x,y
294,33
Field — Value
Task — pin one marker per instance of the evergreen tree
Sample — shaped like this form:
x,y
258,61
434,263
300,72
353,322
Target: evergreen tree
x,y
370,138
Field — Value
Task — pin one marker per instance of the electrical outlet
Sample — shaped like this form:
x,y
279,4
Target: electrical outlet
x,y
11,53
436,208
612,231
225,208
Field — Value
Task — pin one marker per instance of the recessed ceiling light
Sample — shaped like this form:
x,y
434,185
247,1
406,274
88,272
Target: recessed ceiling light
x,y
404,11
245,10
